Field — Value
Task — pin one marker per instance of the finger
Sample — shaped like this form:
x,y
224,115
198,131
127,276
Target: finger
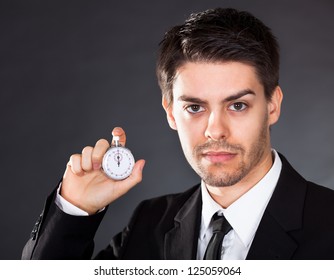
x,y
127,184
86,159
135,177
118,131
98,152
137,172
75,164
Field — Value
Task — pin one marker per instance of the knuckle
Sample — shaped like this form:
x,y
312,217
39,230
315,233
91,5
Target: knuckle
x,y
74,158
75,162
137,178
87,150
99,150
102,142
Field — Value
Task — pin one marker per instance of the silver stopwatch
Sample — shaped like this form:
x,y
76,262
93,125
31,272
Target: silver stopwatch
x,y
118,161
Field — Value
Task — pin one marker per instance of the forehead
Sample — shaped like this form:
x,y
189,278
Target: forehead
x,y
219,80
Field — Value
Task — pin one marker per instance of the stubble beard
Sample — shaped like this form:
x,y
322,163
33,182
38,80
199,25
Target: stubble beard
x,y
247,163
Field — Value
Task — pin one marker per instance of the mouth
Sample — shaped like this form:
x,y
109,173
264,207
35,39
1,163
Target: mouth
x,y
218,157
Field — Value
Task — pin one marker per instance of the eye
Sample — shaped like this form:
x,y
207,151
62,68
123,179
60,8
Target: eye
x,y
193,109
238,107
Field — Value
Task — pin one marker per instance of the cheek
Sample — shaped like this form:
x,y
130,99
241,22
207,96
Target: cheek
x,y
250,129
190,131
186,132
186,141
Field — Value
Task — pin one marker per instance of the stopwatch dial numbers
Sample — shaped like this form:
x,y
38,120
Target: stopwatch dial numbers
x,y
118,163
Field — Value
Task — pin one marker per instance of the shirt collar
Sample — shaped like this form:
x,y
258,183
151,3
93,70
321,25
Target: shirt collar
x,y
244,214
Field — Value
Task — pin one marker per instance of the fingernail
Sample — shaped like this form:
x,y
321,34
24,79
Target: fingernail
x,y
117,130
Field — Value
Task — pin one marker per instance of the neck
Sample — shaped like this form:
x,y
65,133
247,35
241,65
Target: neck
x,y
225,196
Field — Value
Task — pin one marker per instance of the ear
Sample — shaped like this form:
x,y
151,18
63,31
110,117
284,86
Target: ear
x,y
274,105
168,106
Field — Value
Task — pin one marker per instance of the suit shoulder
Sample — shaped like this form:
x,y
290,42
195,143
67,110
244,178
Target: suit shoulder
x,y
320,195
316,195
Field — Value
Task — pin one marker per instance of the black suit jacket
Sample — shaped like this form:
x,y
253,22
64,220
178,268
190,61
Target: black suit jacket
x,y
298,223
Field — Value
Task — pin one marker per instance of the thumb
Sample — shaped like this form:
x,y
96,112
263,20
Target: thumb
x,y
135,177
137,172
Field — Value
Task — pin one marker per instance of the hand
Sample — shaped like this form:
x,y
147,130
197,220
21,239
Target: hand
x,y
86,186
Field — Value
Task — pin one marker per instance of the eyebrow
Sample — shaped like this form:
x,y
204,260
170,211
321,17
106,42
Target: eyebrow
x,y
239,95
236,96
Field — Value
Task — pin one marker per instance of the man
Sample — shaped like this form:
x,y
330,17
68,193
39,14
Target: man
x,y
219,74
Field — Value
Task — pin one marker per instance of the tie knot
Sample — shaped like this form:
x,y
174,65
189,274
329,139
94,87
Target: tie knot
x,y
220,224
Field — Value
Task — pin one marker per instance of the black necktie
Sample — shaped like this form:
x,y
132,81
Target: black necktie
x,y
220,227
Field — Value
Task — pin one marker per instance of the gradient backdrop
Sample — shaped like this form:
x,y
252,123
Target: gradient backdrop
x,y
72,70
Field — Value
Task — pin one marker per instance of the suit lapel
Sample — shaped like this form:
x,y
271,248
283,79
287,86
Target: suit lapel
x,y
271,241
284,214
181,241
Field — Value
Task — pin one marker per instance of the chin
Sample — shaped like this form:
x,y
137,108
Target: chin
x,y
219,176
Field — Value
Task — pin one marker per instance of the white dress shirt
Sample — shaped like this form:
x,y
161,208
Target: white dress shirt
x,y
68,207
244,215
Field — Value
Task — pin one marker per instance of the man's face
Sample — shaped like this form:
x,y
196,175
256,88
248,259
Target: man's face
x,y
223,119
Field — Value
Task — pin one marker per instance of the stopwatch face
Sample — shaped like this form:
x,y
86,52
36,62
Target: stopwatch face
x,y
118,163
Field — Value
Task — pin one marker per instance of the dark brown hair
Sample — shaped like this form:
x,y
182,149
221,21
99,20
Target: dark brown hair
x,y
219,35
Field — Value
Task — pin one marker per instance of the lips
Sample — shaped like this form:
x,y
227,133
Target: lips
x,y
218,157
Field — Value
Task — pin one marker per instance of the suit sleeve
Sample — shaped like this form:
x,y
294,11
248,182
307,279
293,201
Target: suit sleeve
x,y
60,236
57,235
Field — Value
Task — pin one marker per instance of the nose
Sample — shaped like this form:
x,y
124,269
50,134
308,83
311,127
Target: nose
x,y
217,127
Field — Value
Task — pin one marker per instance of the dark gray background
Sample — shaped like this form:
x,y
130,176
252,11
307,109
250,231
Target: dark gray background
x,y
72,70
